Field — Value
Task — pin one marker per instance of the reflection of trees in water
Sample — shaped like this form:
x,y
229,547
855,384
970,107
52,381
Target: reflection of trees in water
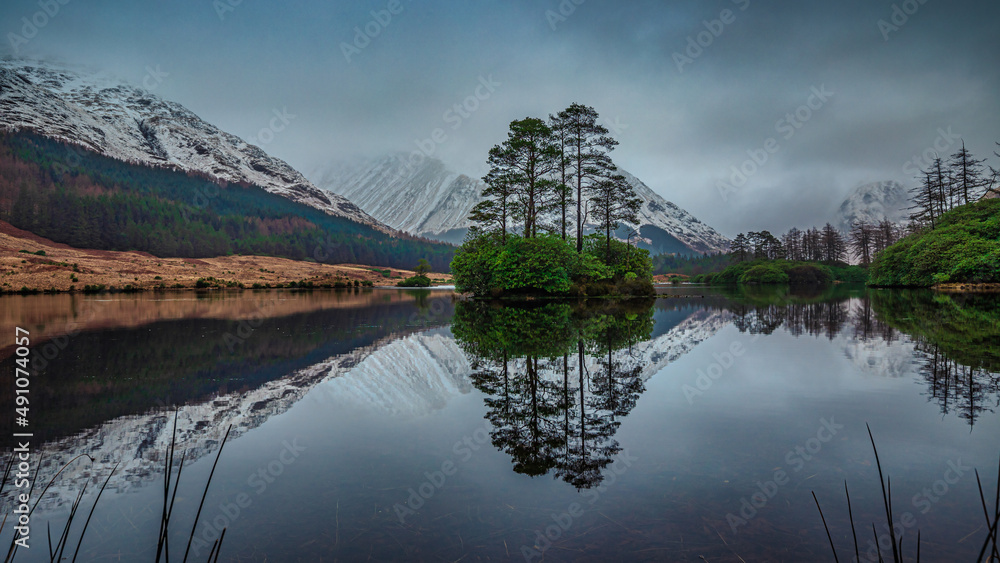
x,y
965,390
558,378
958,340
956,337
764,310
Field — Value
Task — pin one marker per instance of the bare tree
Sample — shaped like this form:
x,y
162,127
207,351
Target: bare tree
x,y
862,241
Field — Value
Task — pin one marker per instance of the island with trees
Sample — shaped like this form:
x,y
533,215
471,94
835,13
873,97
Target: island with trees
x,y
546,180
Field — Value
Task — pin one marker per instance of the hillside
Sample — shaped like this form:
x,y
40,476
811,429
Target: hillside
x,y
106,204
106,116
964,247
429,200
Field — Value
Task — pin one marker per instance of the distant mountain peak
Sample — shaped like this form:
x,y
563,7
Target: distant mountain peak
x,y
427,199
100,113
874,202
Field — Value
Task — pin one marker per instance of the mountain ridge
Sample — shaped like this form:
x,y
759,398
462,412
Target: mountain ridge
x,y
130,124
427,199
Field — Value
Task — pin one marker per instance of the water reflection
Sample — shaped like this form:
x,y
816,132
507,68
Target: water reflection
x,y
558,379
957,340
954,338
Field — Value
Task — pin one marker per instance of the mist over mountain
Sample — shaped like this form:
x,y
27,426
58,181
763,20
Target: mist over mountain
x,y
874,202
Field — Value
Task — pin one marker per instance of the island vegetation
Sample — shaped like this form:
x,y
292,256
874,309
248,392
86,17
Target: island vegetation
x,y
522,242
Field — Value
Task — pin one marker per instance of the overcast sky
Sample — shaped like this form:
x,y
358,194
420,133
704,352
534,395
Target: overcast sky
x,y
886,92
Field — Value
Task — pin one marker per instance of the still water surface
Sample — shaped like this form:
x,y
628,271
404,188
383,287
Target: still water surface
x,y
399,425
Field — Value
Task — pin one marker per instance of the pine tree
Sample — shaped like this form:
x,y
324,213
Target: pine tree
x,y
589,145
862,241
740,247
615,202
924,198
495,210
523,164
833,244
792,241
560,132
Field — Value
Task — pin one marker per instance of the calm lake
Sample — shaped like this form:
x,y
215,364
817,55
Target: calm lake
x,y
395,425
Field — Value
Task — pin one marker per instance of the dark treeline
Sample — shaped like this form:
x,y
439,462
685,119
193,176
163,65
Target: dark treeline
x,y
818,245
107,204
690,265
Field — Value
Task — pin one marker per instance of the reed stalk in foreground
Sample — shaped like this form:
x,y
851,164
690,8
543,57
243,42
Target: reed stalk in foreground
x,y
990,547
162,549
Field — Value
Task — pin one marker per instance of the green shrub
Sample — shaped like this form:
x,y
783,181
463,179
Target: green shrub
x,y
764,274
963,248
548,265
415,281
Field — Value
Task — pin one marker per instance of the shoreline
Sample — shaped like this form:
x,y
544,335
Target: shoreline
x,y
32,264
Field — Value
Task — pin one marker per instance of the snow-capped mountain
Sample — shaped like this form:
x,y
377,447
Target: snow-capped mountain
x,y
660,219
427,199
424,199
115,119
874,202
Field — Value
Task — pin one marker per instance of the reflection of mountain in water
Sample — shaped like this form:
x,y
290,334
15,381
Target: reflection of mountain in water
x,y
397,374
411,376
116,412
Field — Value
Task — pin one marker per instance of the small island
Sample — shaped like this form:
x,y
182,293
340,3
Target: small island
x,y
522,243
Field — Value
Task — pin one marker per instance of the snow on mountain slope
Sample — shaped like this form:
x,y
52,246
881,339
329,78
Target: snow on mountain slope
x,y
121,121
678,223
874,202
423,199
427,199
